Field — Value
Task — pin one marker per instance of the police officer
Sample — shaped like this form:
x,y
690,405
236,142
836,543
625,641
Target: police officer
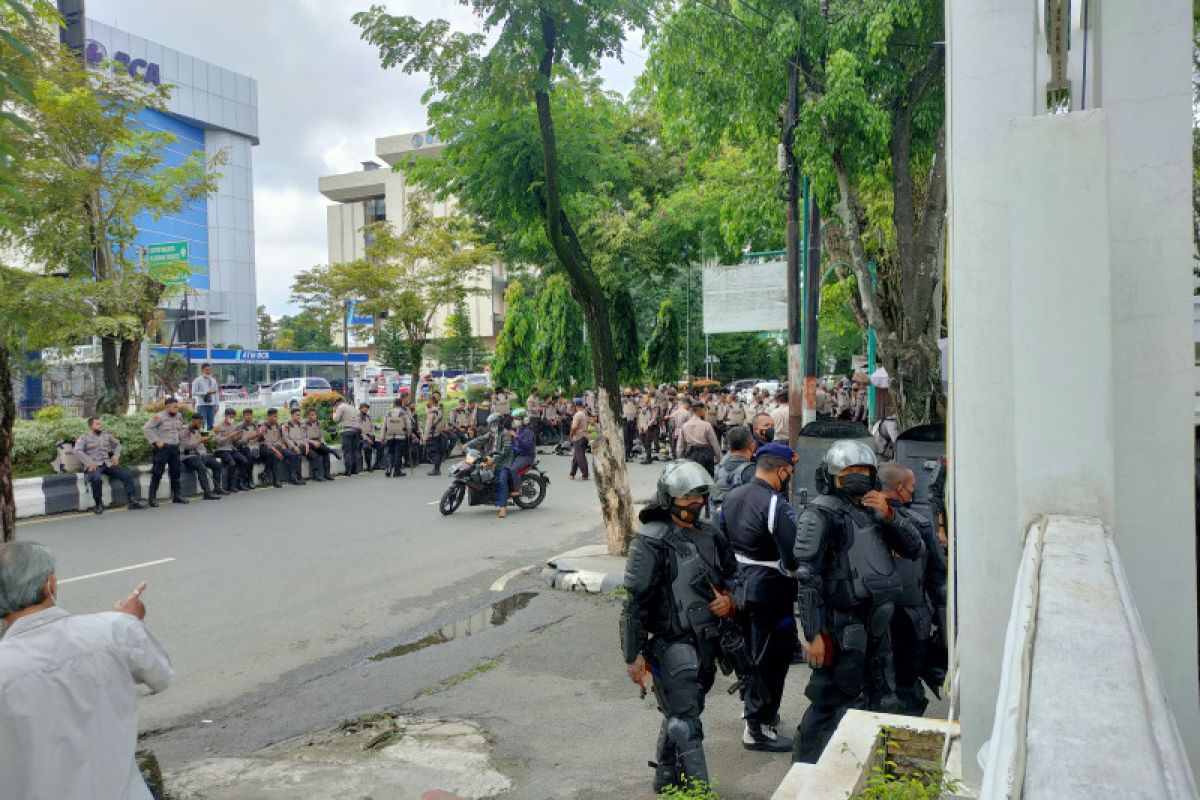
x,y
761,527
848,587
433,434
737,466
276,450
196,458
317,445
913,623
249,444
397,429
347,422
534,410
372,448
295,435
233,463
647,427
100,454
461,421
696,440
680,577
629,414
162,431
502,403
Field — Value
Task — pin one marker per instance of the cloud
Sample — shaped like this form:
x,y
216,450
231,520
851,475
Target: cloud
x,y
323,100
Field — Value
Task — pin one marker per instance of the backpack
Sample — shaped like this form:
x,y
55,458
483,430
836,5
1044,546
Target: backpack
x,y
65,459
885,445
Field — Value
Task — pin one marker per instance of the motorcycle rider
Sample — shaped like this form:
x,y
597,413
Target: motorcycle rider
x,y
524,447
498,443
848,587
672,608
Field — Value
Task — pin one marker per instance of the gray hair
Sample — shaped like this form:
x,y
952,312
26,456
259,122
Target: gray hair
x,y
892,474
24,569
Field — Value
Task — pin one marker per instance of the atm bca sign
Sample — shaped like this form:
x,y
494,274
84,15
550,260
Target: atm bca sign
x,y
96,53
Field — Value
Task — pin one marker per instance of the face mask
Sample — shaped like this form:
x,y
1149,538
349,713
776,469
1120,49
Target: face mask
x,y
785,484
768,435
856,485
688,514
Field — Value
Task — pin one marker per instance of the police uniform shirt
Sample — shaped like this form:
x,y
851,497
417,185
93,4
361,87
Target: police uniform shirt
x,y
295,435
722,413
366,425
97,449
273,435
345,417
462,417
696,432
397,424
224,433
680,416
502,403
163,427
552,413
192,442
434,422
736,414
315,435
251,433
647,417
781,419
629,409
533,406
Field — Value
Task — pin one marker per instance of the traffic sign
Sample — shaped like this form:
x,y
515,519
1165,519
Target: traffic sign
x,y
168,255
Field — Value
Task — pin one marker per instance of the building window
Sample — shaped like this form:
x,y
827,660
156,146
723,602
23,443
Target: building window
x,y
374,210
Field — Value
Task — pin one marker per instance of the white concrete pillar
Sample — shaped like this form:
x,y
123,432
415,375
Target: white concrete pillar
x,y
1071,323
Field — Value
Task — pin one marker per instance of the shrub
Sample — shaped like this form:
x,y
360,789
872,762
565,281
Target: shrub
x,y
155,406
323,403
49,414
476,393
691,790
35,441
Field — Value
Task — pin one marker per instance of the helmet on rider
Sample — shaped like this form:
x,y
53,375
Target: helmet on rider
x,y
494,420
518,417
686,481
849,468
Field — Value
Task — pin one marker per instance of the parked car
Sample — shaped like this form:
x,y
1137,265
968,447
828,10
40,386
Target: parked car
x,y
338,385
233,391
289,392
738,386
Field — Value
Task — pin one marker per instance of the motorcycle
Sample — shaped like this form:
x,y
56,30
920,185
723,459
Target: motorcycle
x,y
473,480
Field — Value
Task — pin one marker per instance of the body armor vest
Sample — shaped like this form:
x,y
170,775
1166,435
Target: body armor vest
x,y
864,564
688,565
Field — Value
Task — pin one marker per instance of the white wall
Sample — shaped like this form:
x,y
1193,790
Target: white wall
x,y
1071,323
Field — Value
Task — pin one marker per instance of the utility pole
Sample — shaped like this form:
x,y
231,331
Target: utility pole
x,y
812,299
347,310
791,170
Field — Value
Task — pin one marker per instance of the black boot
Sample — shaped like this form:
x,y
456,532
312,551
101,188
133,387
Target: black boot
x,y
98,508
211,496
179,500
134,505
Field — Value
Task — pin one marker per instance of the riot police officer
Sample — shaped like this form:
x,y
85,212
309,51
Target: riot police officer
x,y
848,587
680,576
761,527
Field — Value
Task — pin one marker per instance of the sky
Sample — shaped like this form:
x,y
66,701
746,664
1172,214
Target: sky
x,y
323,100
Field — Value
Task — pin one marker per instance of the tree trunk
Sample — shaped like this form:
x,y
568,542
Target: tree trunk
x,y
8,413
416,349
612,482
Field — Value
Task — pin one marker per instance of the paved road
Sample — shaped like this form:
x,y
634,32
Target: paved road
x,y
273,582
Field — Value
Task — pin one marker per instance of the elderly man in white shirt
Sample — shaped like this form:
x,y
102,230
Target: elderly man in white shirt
x,y
68,687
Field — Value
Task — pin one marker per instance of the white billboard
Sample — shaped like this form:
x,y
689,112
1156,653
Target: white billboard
x,y
746,297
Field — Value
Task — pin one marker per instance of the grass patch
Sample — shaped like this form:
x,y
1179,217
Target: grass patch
x,y
486,665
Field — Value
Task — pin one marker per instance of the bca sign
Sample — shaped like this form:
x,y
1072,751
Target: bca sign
x,y
96,54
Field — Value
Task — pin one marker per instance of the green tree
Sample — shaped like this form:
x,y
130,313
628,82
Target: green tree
x,y
869,81
18,67
90,173
36,312
663,346
839,337
304,331
433,264
513,363
527,49
559,354
267,329
395,350
460,348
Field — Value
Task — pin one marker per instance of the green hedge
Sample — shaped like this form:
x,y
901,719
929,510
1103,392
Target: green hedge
x,y
35,442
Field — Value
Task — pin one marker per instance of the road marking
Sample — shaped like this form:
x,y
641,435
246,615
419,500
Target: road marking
x,y
498,586
118,569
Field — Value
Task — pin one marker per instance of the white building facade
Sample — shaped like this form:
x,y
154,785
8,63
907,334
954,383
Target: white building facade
x,y
213,110
378,193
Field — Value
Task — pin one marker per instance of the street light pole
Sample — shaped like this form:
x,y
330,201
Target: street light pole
x,y
346,350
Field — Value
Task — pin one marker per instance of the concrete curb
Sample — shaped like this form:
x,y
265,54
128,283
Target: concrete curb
x,y
70,492
588,569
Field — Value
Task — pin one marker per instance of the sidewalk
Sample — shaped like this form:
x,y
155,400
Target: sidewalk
x,y
589,569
